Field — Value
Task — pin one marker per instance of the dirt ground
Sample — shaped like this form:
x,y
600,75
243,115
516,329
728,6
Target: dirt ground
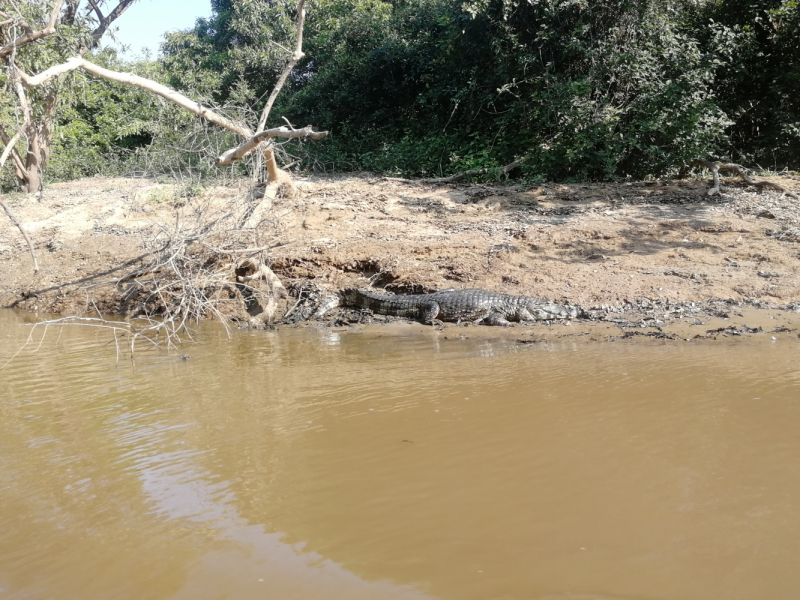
x,y
656,247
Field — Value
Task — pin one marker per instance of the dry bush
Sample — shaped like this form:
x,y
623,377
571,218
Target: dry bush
x,y
209,262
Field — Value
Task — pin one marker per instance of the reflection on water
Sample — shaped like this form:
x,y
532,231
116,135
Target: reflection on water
x,y
333,464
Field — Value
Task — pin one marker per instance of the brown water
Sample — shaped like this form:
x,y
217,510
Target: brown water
x,y
309,465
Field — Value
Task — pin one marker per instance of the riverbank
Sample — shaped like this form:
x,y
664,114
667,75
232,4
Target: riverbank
x,y
640,256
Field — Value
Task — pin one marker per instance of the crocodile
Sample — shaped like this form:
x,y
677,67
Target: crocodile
x,y
473,305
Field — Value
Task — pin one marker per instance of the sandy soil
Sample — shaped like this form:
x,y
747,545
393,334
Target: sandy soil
x,y
651,246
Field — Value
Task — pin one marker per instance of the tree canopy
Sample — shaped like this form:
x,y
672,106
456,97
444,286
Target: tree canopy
x,y
590,90
587,90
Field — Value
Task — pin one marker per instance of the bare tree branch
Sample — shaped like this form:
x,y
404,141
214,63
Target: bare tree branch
x,y
296,56
32,35
280,132
71,12
146,84
25,105
248,250
9,147
97,11
112,16
19,165
51,73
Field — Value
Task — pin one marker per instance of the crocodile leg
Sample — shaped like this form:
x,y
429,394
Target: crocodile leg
x,y
494,319
428,313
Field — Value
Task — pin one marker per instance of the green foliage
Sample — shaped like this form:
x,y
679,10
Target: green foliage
x,y
101,124
71,35
234,57
589,90
756,51
594,90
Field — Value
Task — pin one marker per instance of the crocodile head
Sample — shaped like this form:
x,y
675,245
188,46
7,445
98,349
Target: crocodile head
x,y
538,310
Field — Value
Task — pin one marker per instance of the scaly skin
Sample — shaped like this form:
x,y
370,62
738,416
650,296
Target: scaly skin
x,y
482,306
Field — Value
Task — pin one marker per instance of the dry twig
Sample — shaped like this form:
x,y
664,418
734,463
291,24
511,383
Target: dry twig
x,y
24,233
194,273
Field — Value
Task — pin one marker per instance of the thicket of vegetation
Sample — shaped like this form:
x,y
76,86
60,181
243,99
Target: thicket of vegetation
x,y
587,89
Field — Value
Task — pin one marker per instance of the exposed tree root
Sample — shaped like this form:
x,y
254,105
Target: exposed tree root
x,y
255,273
716,167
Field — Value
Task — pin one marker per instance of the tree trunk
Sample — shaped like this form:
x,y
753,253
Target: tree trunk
x,y
16,159
31,180
278,177
38,153
40,137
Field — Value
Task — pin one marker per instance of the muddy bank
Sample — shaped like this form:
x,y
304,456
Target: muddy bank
x,y
698,323
640,257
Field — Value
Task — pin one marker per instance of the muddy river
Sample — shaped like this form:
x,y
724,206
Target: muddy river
x,y
390,464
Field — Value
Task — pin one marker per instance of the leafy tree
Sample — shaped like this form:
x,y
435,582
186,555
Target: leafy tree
x,y
100,124
591,90
601,89
755,47
236,55
34,36
88,125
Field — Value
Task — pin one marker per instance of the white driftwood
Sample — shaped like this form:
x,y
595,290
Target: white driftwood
x,y
248,146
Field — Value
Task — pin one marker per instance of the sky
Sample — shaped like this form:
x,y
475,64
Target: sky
x,y
145,22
